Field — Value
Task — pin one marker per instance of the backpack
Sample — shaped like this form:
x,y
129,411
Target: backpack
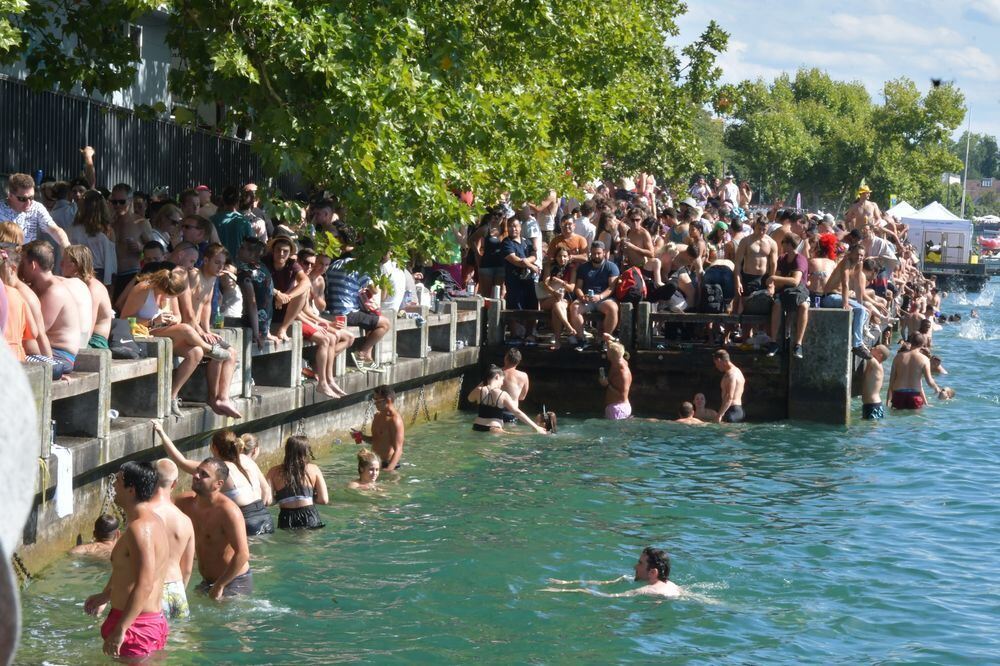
x,y
121,342
631,287
712,298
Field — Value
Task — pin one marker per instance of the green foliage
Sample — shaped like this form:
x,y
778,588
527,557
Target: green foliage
x,y
10,37
394,105
818,136
984,155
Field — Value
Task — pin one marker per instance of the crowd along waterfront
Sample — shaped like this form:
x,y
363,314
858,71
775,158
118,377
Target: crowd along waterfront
x,y
798,543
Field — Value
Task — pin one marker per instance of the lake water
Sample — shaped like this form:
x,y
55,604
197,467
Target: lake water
x,y
875,543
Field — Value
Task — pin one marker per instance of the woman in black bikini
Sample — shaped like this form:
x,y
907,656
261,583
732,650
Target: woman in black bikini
x,y
493,401
298,486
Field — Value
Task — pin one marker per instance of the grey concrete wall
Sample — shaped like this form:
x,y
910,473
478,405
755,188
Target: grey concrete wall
x,y
820,383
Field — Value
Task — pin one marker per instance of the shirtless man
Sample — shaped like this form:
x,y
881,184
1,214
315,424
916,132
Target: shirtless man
x,y
388,432
135,627
733,383
84,302
756,259
78,262
219,373
871,386
515,382
909,369
637,243
220,535
131,233
862,211
180,534
687,416
653,569
847,277
617,382
59,312
701,411
105,537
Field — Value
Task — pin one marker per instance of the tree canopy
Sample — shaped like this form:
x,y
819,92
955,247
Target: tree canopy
x,y
814,135
394,105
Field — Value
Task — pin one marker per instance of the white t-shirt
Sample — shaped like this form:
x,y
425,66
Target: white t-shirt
x,y
732,192
586,229
397,285
530,230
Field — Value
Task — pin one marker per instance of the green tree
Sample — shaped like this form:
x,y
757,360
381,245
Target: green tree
x,y
394,105
814,135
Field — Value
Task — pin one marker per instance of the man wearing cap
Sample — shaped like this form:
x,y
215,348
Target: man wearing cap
x,y
206,207
22,209
730,192
862,211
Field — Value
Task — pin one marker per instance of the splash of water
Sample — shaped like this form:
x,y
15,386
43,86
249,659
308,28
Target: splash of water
x,y
973,329
983,299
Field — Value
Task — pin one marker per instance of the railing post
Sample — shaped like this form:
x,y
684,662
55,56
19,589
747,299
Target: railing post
x,y
644,327
494,322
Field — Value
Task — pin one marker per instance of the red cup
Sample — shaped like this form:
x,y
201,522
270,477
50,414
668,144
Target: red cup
x,y
340,321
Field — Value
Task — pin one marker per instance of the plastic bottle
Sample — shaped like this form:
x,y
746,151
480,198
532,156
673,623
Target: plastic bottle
x,y
470,287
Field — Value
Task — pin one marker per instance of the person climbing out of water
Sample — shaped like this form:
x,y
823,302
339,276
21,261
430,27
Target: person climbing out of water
x,y
617,382
652,569
492,401
298,486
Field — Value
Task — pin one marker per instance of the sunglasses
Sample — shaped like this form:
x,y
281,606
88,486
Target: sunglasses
x,y
190,226
119,202
22,198
175,222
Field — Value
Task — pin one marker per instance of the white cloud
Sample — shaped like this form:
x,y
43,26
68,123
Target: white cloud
x,y
737,65
889,30
983,10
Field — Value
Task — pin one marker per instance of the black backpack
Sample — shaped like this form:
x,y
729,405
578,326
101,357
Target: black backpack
x,y
712,298
121,342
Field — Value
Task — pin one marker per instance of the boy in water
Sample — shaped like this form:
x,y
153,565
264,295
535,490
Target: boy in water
x,y
369,466
105,536
871,387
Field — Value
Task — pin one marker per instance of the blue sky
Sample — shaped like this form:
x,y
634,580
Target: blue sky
x,y
871,42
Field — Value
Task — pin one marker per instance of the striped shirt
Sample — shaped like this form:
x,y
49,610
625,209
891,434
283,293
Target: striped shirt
x,y
32,221
342,287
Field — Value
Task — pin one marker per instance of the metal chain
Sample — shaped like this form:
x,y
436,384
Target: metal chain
x,y
369,413
416,406
300,428
458,395
21,571
423,402
109,505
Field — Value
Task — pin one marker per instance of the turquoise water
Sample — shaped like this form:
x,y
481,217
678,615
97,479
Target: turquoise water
x,y
799,544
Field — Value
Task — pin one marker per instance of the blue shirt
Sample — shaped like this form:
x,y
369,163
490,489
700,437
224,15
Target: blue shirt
x,y
32,221
342,287
596,277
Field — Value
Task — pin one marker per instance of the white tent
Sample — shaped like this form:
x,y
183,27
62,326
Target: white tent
x,y
936,224
902,209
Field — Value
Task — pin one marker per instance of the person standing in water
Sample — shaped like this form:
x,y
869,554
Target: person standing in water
x,y
180,534
871,387
492,401
731,410
388,431
298,486
135,627
617,382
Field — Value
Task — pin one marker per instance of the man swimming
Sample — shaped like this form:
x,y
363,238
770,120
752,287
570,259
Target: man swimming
x,y
653,569
687,416
105,536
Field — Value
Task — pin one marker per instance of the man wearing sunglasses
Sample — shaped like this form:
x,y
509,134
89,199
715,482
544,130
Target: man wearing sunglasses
x,y
22,209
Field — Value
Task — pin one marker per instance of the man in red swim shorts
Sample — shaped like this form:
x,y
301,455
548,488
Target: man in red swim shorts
x,y
910,368
135,627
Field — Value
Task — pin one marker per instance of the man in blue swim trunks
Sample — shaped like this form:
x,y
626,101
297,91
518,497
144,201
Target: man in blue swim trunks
x,y
59,311
733,383
871,387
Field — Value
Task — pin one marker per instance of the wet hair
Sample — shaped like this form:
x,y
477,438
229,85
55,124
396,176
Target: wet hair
x,y
368,459
513,355
167,281
721,355
141,477
659,560
83,259
687,409
221,468
298,454
925,326
41,252
385,391
915,341
493,373
227,446
105,526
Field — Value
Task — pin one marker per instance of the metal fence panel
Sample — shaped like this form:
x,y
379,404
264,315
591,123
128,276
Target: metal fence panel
x,y
45,130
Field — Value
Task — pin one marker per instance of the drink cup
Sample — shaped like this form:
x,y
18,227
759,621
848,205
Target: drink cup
x,y
340,321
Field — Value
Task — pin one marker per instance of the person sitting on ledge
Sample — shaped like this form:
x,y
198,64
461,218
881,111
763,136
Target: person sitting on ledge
x,y
788,288
493,401
78,262
245,484
105,536
369,466
595,283
687,416
60,314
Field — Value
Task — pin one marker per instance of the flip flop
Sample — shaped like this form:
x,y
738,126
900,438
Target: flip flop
x,y
375,367
358,363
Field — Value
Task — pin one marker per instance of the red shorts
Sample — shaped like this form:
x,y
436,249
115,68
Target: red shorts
x,y
146,635
308,330
907,400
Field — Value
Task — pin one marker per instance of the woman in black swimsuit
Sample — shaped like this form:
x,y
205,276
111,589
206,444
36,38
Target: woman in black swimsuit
x,y
493,401
298,486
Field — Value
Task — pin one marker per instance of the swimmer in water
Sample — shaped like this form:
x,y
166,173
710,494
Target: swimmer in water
x,y
369,466
687,416
105,536
652,569
974,314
